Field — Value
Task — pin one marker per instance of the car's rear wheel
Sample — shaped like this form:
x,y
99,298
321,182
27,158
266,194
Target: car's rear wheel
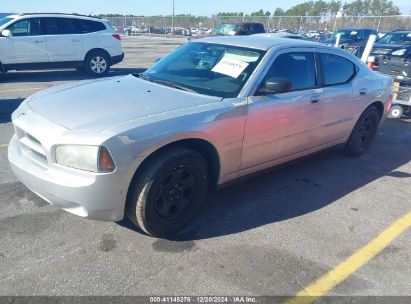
x,y
363,133
97,63
396,112
168,192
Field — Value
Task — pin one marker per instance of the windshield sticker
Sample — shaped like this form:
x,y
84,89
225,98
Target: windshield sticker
x,y
230,67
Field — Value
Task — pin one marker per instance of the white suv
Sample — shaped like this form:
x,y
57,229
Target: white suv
x,y
49,41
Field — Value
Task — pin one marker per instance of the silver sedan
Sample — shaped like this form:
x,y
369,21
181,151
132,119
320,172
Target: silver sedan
x,y
151,145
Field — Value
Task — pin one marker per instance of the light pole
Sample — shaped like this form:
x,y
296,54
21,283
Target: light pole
x,y
172,20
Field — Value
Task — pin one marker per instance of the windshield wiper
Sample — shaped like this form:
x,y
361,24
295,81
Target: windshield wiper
x,y
172,84
142,76
165,82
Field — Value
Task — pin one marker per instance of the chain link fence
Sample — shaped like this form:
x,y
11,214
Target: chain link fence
x,y
186,25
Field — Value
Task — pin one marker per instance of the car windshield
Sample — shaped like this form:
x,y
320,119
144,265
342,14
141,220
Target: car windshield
x,y
226,29
3,21
396,38
345,34
204,68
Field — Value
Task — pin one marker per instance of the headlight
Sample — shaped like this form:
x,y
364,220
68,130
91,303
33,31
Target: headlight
x,y
87,158
399,52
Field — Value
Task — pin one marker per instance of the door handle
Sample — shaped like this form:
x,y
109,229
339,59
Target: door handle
x,y
38,41
363,91
76,40
315,99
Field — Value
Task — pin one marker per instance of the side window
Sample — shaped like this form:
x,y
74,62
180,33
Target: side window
x,y
58,26
299,68
88,26
27,27
336,69
259,28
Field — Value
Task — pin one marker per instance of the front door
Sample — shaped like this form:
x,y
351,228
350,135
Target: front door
x,y
27,45
283,124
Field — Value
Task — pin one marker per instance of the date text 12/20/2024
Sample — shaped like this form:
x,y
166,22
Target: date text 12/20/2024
x,y
203,299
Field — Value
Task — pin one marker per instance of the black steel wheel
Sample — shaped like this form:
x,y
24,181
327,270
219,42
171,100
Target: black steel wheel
x,y
168,191
363,133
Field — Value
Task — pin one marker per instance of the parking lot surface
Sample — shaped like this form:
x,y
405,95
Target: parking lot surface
x,y
271,235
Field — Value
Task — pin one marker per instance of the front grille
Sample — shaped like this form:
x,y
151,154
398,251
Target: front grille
x,y
31,146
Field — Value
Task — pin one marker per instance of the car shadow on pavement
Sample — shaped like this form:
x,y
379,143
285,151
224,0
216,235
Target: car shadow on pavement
x,y
299,188
7,106
59,75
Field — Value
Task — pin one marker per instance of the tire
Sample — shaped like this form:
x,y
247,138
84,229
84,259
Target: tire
x,y
155,204
97,64
363,133
396,112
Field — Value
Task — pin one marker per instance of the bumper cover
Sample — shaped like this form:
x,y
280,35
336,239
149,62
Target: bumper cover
x,y
117,59
87,195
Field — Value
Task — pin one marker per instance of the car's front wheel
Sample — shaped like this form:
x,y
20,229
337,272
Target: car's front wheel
x,y
97,63
168,191
363,133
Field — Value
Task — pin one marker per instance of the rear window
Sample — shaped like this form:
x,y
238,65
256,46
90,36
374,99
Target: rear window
x,y
88,26
336,69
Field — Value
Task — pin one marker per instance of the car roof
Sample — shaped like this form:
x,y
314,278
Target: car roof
x,y
257,42
61,15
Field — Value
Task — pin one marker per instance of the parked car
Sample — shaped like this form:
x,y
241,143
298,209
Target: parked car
x,y
234,29
397,63
352,40
214,110
396,41
50,41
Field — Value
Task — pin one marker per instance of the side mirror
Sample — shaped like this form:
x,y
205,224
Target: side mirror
x,y
275,85
6,33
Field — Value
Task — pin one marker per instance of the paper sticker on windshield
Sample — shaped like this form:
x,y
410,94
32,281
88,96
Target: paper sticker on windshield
x,y
230,67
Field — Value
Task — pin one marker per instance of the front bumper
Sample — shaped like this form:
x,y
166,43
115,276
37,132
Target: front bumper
x,y
90,195
117,59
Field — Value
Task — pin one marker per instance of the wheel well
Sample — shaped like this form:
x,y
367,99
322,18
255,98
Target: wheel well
x,y
380,107
203,147
98,50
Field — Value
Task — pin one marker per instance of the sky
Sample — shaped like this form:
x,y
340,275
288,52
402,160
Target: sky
x,y
155,7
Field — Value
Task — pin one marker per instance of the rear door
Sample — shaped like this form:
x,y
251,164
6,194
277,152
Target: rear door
x,y
64,43
27,45
340,99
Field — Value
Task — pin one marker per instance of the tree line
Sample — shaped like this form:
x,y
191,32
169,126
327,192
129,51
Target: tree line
x,y
323,8
313,8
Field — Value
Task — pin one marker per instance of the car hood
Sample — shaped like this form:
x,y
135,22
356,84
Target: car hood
x,y
104,103
387,46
